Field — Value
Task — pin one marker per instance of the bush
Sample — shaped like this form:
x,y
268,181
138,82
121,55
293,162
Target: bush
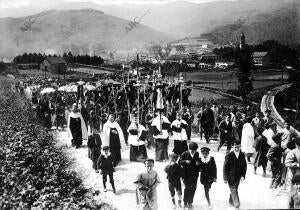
x,y
34,173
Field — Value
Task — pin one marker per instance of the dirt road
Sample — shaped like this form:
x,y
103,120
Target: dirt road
x,y
254,192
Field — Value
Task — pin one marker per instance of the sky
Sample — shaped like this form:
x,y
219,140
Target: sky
x,y
20,3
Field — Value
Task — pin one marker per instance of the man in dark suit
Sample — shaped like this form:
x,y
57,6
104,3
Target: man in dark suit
x,y
208,122
234,172
189,161
225,129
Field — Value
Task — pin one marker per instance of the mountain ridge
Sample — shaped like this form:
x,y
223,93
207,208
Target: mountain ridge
x,y
84,31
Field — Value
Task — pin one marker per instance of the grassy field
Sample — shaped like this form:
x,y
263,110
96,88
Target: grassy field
x,y
228,80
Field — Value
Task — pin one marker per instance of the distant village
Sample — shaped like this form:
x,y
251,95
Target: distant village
x,y
187,54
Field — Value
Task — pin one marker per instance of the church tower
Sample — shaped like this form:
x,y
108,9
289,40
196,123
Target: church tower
x,y
243,41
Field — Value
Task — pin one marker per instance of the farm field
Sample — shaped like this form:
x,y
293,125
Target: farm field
x,y
228,80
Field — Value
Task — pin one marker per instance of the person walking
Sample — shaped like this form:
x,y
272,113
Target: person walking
x,y
178,128
112,137
189,161
174,173
208,171
207,122
225,129
261,147
247,141
234,172
106,166
147,183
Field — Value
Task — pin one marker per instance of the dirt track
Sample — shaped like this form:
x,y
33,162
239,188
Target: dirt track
x,y
254,192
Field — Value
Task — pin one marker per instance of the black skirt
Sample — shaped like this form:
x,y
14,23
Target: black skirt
x,y
180,147
138,153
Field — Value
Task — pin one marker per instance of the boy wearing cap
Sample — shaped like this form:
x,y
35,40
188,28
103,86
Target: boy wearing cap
x,y
189,161
106,166
274,156
234,171
174,173
146,187
208,171
294,197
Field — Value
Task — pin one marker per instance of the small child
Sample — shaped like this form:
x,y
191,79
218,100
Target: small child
x,y
146,187
105,164
274,156
294,197
208,170
174,173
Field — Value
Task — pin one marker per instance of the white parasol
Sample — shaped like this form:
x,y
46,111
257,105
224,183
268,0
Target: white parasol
x,y
89,87
72,88
47,90
63,88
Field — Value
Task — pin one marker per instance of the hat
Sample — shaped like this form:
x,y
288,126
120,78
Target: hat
x,y
193,146
297,141
205,149
173,156
277,137
296,179
105,148
148,160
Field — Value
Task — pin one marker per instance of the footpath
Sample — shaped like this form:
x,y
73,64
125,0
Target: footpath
x,y
254,191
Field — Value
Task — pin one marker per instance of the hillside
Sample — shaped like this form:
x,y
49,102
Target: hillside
x,y
79,31
179,18
281,25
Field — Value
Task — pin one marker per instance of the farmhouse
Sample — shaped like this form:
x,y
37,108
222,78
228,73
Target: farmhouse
x,y
261,58
55,65
210,58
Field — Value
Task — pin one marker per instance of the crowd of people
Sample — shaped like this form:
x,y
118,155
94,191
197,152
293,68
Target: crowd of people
x,y
250,138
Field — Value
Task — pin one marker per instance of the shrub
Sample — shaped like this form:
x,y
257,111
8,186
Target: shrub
x,y
34,173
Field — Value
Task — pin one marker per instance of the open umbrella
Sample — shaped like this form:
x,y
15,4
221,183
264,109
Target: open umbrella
x,y
111,81
63,88
89,87
47,90
11,76
72,88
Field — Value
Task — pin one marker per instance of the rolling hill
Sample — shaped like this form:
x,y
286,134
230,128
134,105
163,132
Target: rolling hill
x,y
282,25
83,31
179,18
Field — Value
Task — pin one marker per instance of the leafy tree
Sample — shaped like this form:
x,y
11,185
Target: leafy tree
x,y
2,67
244,63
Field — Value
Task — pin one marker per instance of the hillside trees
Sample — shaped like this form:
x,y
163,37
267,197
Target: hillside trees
x,y
244,63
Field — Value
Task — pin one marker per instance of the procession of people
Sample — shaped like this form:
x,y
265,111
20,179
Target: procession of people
x,y
113,118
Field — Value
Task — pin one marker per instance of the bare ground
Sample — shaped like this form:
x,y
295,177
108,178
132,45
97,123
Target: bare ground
x,y
254,192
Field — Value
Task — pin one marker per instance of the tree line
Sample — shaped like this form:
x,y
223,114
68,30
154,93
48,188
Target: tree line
x,y
27,58
279,53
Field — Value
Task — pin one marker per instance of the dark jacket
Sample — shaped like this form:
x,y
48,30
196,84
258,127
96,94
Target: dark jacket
x,y
234,168
105,164
207,118
225,127
261,147
174,173
274,155
208,171
94,144
189,170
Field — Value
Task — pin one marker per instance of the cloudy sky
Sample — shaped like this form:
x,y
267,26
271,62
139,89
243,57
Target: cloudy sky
x,y
20,3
